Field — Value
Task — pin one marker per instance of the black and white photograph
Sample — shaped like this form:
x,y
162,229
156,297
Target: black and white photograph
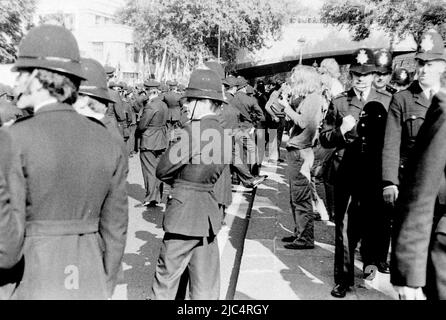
x,y
239,151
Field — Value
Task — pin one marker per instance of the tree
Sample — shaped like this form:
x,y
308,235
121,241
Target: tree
x,y
397,17
189,28
15,19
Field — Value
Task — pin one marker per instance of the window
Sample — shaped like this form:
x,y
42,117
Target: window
x,y
98,50
129,53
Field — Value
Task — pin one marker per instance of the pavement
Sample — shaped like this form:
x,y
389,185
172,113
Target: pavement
x,y
254,263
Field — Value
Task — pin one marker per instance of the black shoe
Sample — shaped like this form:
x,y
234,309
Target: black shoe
x,y
340,290
289,239
150,203
256,181
383,267
296,245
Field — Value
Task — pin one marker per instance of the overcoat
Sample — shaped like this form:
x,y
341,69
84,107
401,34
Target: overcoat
x,y
68,188
419,254
152,125
193,209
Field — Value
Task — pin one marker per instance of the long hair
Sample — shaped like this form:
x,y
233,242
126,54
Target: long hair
x,y
331,67
304,80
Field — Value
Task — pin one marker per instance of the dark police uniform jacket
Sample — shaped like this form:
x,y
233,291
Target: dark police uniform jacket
x,y
406,115
68,188
152,125
172,99
117,110
193,209
422,230
344,161
251,113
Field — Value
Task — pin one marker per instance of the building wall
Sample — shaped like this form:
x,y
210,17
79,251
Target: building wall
x,y
99,36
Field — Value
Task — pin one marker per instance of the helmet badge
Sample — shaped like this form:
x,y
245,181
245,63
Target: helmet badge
x,y
383,59
403,75
362,57
427,44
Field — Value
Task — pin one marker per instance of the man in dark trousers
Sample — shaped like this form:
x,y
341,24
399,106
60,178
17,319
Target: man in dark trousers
x,y
154,141
116,109
172,99
419,256
406,115
192,219
67,179
354,197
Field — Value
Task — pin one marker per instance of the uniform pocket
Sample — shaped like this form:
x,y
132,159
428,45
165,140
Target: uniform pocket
x,y
413,122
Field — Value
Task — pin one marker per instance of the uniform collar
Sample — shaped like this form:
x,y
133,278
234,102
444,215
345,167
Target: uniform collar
x,y
365,94
427,91
56,106
50,101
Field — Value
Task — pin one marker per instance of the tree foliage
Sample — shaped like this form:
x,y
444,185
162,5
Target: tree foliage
x,y
190,28
398,17
15,19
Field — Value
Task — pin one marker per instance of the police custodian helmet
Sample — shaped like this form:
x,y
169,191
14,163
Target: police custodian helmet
x,y
50,47
96,83
205,84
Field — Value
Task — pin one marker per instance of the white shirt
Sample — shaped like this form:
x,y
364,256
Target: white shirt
x,y
427,91
365,94
45,103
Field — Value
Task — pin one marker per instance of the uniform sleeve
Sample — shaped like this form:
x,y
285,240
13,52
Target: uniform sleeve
x,y
392,143
146,117
12,203
177,155
417,200
331,136
114,221
257,114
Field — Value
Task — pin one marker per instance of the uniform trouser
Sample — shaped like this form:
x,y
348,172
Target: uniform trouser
x,y
149,162
358,219
131,140
239,165
376,238
299,164
245,148
199,255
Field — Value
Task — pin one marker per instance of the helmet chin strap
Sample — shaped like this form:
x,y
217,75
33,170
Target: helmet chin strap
x,y
193,112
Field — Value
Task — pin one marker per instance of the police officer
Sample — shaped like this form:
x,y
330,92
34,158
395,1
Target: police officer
x,y
419,254
251,115
154,141
351,194
192,219
116,109
401,79
383,60
407,112
67,180
94,97
172,99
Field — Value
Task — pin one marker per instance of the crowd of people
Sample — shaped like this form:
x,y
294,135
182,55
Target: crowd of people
x,y
352,153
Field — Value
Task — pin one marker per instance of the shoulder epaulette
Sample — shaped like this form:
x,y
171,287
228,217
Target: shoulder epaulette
x,y
340,95
384,92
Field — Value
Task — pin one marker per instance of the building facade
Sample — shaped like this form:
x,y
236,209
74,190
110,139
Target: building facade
x,y
98,34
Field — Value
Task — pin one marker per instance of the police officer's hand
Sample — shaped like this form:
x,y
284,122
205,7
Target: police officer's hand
x,y
348,123
408,293
390,195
